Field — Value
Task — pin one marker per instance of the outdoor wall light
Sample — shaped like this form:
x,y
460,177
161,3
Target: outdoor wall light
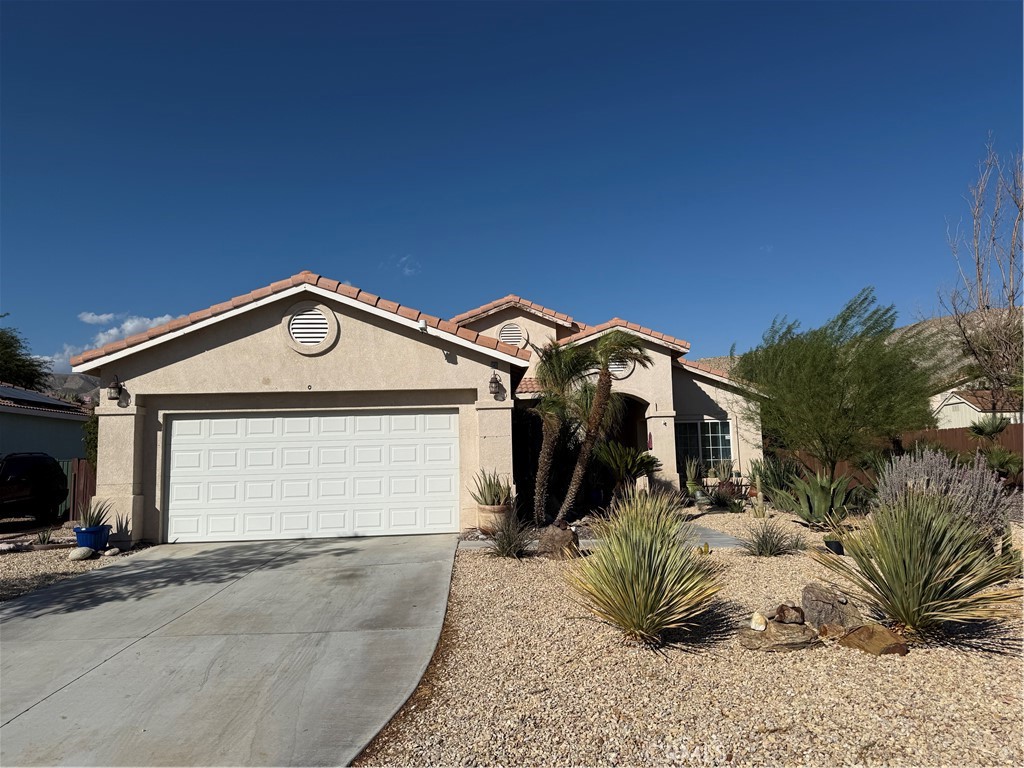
x,y
114,390
494,385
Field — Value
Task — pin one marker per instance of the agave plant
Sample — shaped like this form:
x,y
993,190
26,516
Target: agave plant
x,y
647,578
694,469
490,490
510,537
96,514
626,464
815,499
773,472
44,536
922,565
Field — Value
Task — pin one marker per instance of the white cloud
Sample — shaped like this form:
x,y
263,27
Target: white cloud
x,y
60,362
406,265
131,325
95,319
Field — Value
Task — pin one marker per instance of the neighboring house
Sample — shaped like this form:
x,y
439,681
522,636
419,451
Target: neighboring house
x,y
310,408
958,409
31,422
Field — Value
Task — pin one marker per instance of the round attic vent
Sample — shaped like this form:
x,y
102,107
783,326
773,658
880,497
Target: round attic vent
x,y
620,369
309,327
512,333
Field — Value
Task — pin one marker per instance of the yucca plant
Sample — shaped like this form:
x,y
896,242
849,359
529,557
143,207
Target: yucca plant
x,y
694,470
921,565
815,499
647,578
96,514
490,490
769,538
510,537
773,472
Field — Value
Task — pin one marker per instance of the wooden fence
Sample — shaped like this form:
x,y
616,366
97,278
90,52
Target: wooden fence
x,y
960,440
81,476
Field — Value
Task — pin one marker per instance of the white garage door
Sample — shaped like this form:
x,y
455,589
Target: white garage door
x,y
312,474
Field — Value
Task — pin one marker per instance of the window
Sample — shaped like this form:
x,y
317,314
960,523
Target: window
x,y
709,441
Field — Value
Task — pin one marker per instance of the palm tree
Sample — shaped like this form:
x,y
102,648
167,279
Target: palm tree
x,y
989,427
612,348
560,372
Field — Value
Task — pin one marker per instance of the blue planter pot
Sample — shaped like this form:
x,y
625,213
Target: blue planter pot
x,y
93,538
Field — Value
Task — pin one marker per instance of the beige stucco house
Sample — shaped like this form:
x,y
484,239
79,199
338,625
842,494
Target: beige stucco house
x,y
310,408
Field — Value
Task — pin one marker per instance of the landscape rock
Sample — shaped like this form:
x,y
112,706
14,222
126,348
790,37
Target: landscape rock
x,y
81,553
874,639
111,552
558,543
758,622
831,631
778,637
789,614
823,605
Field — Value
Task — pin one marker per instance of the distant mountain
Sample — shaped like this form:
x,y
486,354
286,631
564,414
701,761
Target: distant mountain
x,y
75,386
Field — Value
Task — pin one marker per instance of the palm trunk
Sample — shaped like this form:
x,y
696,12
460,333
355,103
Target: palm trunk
x,y
594,421
551,430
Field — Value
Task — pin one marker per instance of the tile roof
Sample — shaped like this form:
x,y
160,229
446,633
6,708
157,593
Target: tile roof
x,y
529,386
516,301
698,366
303,278
984,399
679,345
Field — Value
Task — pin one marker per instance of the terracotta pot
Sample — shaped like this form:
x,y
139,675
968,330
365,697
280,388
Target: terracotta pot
x,y
489,516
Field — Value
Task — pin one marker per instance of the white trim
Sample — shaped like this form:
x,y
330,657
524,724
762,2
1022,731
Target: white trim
x,y
639,334
516,305
294,291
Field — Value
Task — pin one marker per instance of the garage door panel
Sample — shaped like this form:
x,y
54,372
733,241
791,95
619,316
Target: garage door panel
x,y
312,474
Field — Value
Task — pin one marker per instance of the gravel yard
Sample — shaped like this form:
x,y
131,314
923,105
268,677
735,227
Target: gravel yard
x,y
523,677
22,572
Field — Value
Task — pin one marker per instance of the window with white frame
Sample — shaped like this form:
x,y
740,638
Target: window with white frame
x,y
709,441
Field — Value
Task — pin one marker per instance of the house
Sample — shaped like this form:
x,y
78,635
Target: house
x,y
310,408
31,422
959,408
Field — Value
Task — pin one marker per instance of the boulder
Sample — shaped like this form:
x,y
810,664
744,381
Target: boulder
x,y
558,543
874,639
81,553
823,605
758,622
777,637
111,552
789,614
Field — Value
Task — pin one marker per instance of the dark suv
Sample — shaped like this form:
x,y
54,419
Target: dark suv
x,y
32,484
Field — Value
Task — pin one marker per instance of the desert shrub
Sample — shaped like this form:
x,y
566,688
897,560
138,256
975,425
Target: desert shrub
x,y
769,538
625,464
647,578
1003,461
510,536
975,492
921,564
815,499
773,472
490,489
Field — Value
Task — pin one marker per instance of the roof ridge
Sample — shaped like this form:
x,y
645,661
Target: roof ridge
x,y
617,322
305,277
513,298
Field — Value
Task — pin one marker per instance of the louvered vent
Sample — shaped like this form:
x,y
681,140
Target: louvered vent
x,y
511,333
308,327
620,369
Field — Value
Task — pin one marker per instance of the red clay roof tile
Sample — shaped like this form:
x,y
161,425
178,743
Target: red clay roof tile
x,y
303,278
513,300
617,322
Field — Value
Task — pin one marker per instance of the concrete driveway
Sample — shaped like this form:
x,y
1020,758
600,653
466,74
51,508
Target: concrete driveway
x,y
265,653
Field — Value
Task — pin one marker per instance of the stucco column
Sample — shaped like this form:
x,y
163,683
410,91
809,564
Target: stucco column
x,y
119,464
494,435
661,436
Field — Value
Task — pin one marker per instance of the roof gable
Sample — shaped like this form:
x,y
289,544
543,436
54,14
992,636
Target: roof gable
x,y
617,323
558,318
302,282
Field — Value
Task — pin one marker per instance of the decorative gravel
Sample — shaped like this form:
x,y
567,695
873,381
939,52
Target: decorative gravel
x,y
523,676
22,572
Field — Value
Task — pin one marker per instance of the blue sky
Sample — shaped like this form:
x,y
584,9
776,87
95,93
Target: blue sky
x,y
697,168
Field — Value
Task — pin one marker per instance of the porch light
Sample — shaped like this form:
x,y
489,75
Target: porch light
x,y
494,385
114,390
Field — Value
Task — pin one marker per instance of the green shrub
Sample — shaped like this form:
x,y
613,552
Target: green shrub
x,y
815,499
694,469
921,565
724,495
769,538
626,464
44,536
510,537
647,578
773,472
1003,461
